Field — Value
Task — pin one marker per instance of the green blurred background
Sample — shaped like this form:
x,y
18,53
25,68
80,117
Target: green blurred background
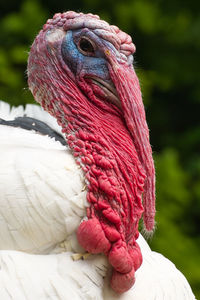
x,y
167,37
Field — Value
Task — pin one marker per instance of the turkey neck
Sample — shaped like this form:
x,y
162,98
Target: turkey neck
x,y
101,143
103,146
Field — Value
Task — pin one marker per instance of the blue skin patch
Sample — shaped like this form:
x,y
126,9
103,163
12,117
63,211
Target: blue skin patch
x,y
94,66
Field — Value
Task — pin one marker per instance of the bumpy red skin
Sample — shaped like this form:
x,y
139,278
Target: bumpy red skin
x,y
112,146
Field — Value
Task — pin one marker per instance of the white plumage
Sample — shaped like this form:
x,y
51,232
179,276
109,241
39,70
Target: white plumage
x,y
41,205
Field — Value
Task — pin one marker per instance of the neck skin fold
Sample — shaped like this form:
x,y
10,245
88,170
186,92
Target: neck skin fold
x,y
110,148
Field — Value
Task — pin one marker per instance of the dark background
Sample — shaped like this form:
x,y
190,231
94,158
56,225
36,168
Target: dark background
x,y
167,37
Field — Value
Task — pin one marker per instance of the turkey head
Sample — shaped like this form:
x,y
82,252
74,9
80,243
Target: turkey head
x,y
80,70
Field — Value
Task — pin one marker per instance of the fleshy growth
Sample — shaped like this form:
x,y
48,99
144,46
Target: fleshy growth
x,y
112,146
127,85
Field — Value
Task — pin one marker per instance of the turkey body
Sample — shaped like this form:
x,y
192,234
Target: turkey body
x,y
42,202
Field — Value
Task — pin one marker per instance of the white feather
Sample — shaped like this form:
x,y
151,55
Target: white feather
x,y
10,113
42,202
30,110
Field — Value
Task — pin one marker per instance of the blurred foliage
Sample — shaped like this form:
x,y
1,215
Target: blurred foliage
x,y
167,35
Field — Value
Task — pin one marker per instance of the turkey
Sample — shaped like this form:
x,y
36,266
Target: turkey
x,y
82,184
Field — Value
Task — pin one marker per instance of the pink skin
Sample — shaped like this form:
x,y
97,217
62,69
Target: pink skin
x,y
108,136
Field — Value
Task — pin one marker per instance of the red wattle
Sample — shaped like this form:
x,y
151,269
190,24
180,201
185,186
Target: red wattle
x,y
110,144
120,282
119,257
136,256
92,238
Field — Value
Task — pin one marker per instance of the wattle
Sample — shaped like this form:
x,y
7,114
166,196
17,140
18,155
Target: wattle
x,y
102,137
115,183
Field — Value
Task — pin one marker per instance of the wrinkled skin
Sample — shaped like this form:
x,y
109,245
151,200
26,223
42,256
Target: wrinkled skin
x,y
80,70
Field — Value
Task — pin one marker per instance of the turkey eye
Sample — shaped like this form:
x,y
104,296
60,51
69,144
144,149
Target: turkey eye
x,y
86,46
